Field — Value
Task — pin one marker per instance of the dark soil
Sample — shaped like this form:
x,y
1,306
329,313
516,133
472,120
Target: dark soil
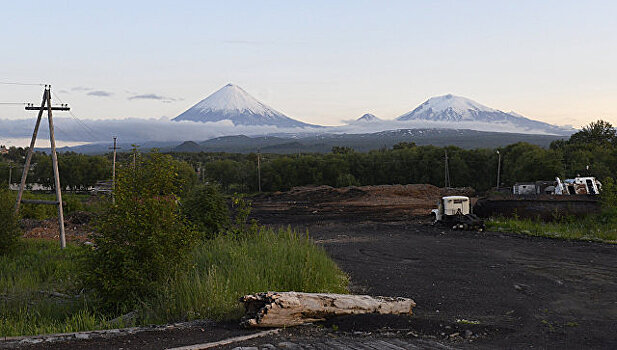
x,y
198,333
522,291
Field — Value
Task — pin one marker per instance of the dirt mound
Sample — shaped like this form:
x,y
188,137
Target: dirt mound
x,y
315,194
380,201
76,227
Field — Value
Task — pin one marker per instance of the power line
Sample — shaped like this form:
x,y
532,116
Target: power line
x,y
17,83
88,130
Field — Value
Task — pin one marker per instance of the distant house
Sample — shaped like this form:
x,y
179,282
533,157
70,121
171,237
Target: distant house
x,y
3,150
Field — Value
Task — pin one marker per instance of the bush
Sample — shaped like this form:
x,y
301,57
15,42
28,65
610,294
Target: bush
x,y
9,226
141,239
206,208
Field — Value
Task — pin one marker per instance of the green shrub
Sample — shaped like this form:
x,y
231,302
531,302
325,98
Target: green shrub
x,y
141,239
345,180
206,208
9,226
608,197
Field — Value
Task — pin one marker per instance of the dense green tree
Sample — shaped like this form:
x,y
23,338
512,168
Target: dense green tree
x,y
599,133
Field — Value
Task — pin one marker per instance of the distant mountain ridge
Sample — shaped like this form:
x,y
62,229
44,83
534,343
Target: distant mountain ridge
x,y
456,109
367,118
322,143
232,103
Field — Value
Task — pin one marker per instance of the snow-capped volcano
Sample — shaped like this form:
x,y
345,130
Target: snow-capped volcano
x,y
231,102
367,118
457,110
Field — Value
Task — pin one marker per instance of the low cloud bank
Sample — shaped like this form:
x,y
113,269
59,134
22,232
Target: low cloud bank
x,y
163,130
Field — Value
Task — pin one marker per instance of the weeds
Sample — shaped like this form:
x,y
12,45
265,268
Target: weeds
x,y
227,267
589,229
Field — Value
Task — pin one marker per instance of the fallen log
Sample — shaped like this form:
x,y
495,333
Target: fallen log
x,y
284,309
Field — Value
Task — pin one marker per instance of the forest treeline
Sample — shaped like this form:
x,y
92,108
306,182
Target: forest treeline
x,y
77,171
591,151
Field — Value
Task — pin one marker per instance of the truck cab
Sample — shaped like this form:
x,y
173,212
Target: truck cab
x,y
456,211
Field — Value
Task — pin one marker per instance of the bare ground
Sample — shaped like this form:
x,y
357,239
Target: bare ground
x,y
473,290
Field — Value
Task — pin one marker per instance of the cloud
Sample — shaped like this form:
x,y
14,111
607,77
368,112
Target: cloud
x,y
81,88
99,93
133,130
163,99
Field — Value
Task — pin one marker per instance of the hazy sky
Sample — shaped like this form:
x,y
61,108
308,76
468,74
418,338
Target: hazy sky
x,y
316,61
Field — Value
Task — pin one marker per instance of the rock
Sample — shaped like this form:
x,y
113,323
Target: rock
x,y
468,333
82,336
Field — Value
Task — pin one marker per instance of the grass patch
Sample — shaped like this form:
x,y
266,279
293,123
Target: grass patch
x,y
40,291
226,268
591,228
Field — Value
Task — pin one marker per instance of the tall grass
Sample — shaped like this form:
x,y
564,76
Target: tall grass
x,y
223,269
40,293
227,267
592,228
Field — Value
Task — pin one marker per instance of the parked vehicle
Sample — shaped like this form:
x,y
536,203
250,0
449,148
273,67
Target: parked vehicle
x,y
578,185
455,211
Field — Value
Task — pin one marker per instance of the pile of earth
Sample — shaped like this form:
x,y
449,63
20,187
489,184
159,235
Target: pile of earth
x,y
385,201
76,227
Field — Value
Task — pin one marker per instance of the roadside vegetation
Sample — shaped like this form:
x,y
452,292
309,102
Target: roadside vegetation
x,y
587,229
151,262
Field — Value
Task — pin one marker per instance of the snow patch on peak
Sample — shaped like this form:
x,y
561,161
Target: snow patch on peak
x,y
232,98
455,110
456,103
232,103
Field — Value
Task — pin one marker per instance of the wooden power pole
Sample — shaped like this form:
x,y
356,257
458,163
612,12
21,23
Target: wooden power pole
x,y
259,170
10,174
45,106
113,172
446,171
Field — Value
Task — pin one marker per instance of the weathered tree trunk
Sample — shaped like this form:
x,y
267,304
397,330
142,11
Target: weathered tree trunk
x,y
283,309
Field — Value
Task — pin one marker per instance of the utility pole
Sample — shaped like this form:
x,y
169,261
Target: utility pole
x,y
45,106
259,170
446,170
498,168
201,171
10,174
113,172
134,155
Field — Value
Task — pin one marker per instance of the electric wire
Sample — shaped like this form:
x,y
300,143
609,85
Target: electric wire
x,y
18,83
89,131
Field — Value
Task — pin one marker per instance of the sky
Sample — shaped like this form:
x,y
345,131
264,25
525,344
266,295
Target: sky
x,y
321,62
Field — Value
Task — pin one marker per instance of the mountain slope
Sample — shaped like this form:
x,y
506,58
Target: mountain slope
x,y
233,103
456,109
367,118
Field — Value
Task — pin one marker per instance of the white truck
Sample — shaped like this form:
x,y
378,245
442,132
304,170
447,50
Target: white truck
x,y
455,211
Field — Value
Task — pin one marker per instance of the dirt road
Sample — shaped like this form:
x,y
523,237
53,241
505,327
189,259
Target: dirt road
x,y
509,291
